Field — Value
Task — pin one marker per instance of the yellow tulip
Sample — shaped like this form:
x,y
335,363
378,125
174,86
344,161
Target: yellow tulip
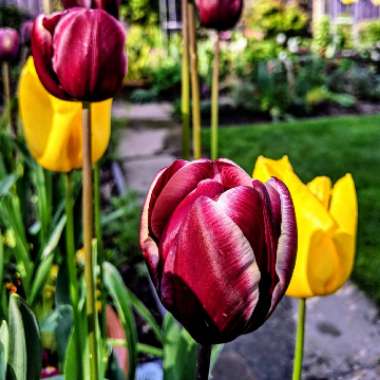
x,y
53,127
327,222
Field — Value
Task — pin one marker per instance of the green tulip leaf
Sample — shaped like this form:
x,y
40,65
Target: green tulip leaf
x,y
4,349
122,300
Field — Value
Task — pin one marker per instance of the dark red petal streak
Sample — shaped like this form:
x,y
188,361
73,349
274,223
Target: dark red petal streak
x,y
216,263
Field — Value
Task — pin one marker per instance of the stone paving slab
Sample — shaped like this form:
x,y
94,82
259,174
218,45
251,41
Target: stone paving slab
x,y
140,173
152,112
140,142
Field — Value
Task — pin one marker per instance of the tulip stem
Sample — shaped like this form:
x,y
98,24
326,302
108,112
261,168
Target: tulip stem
x,y
298,352
203,364
88,220
7,96
215,99
99,240
197,137
71,263
185,75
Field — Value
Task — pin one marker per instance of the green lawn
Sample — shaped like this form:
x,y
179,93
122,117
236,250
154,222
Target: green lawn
x,y
326,146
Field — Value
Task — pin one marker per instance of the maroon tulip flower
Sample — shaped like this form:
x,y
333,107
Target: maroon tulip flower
x,y
25,32
220,247
9,44
220,15
110,6
79,54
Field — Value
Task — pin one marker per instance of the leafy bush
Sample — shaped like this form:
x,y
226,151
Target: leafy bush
x,y
271,17
369,33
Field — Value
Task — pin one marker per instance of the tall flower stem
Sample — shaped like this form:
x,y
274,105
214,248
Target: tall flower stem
x,y
215,99
71,263
99,240
298,352
7,95
196,106
88,221
203,364
185,76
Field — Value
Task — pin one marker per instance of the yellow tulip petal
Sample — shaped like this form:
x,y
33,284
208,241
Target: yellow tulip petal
x,y
344,205
265,168
321,188
53,128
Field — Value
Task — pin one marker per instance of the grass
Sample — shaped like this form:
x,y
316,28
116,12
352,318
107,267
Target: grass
x,y
326,146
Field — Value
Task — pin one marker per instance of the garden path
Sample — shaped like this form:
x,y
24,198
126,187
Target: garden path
x,y
343,330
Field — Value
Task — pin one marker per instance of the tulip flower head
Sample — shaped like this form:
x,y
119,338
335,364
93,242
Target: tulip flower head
x,y
110,6
220,15
220,247
9,44
25,32
79,54
327,222
53,127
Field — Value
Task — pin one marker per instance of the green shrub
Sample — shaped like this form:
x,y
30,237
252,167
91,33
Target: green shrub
x,y
369,33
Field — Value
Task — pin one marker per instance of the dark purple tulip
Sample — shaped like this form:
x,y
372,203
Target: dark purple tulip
x,y
220,247
220,15
110,6
9,44
79,54
26,32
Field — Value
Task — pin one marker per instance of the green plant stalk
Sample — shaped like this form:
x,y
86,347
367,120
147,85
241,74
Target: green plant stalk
x,y
99,240
185,79
7,96
88,220
203,363
196,106
71,263
215,100
298,351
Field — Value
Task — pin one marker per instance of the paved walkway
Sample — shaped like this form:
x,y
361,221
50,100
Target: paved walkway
x,y
342,332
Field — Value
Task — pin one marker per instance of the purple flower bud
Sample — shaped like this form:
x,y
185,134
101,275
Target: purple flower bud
x,y
26,32
79,54
9,44
220,15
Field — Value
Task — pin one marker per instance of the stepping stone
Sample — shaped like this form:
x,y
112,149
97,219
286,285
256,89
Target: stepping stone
x,y
140,173
140,142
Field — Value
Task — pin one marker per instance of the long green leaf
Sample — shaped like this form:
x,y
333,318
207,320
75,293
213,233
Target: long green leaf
x,y
4,348
18,360
121,297
144,312
6,184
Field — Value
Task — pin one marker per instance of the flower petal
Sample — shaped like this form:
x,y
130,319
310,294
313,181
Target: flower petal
x,y
230,174
42,49
184,180
287,244
321,188
225,258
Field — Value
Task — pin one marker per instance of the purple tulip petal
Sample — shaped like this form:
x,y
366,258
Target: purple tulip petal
x,y
244,206
230,174
287,244
182,182
220,15
215,261
42,49
94,41
208,188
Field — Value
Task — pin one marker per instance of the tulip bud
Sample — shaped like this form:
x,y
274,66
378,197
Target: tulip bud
x,y
25,32
110,6
220,15
79,54
220,247
9,44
